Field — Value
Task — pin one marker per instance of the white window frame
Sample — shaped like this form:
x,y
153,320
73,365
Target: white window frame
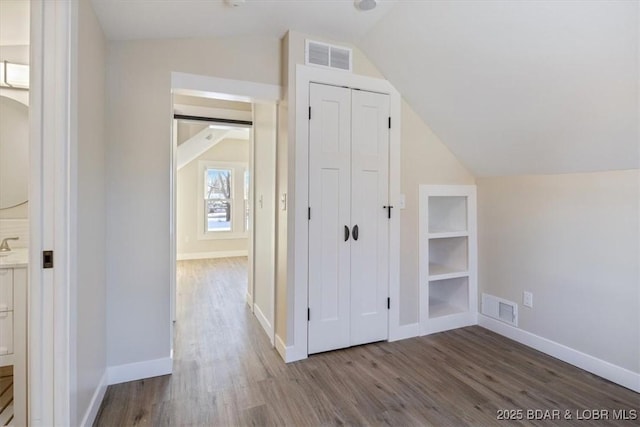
x,y
238,230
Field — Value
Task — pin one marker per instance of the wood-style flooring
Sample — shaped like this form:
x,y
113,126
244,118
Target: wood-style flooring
x,y
6,396
227,374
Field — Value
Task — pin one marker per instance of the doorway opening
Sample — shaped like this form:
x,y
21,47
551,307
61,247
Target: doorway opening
x,y
15,169
223,212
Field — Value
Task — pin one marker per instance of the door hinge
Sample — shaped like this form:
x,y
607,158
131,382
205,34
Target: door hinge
x,y
309,113
389,122
388,303
309,214
47,259
308,314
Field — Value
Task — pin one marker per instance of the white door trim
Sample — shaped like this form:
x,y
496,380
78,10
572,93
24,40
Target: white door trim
x,y
298,184
51,212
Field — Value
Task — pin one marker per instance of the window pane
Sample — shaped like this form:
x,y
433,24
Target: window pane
x,y
218,214
217,184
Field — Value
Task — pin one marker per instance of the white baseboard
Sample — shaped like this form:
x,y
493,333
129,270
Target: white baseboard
x,y
602,368
140,370
264,322
290,353
295,353
208,255
402,332
96,401
281,347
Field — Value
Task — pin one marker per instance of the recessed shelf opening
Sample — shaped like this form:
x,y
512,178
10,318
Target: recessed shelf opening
x,y
447,214
449,296
447,256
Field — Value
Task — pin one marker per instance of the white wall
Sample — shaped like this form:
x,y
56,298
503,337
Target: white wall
x,y
573,241
139,139
227,150
264,195
90,340
281,189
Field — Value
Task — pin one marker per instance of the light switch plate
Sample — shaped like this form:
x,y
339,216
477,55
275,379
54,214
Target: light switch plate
x,y
283,201
527,299
402,202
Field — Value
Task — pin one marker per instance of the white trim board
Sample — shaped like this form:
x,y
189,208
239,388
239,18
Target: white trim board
x,y
52,212
298,184
281,347
288,353
403,332
604,369
209,255
227,89
96,401
264,322
139,370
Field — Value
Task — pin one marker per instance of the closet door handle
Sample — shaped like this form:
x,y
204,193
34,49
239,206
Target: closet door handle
x,y
355,232
346,233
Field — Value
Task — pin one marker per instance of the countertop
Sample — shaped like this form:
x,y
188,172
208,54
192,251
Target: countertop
x,y
17,258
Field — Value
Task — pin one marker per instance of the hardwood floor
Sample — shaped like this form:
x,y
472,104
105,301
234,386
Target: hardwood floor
x,y
6,396
227,374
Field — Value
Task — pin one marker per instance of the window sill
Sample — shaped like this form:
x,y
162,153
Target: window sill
x,y
222,235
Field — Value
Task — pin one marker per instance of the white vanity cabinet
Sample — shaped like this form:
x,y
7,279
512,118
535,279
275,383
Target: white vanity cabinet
x,y
13,281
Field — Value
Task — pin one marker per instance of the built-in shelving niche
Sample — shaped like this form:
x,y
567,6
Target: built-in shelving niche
x,y
448,257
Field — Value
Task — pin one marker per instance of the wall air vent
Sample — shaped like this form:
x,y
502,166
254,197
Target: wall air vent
x,y
327,55
500,309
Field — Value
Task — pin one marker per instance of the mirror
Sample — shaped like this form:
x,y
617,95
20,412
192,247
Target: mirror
x,y
14,153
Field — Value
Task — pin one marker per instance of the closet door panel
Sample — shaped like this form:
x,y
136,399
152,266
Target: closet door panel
x,y
329,200
370,189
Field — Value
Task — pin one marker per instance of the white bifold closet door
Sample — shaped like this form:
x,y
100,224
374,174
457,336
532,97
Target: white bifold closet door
x,y
348,226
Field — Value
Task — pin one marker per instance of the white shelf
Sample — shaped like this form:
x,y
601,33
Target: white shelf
x,y
448,296
447,234
452,252
439,308
443,272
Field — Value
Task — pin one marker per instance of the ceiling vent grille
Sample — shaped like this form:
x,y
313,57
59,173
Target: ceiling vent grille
x,y
327,55
500,309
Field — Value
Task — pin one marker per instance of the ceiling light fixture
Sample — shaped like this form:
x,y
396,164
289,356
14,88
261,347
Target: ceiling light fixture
x,y
365,4
234,3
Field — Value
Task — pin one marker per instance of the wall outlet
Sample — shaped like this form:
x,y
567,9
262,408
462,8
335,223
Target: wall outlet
x,y
527,299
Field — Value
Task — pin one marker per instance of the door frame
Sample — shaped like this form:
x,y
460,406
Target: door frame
x,y
218,88
52,211
298,235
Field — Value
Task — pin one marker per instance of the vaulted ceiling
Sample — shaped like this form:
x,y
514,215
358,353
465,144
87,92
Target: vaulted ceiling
x,y
519,87
511,87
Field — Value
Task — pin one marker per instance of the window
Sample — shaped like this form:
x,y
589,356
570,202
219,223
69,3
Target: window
x,y
224,206
218,199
